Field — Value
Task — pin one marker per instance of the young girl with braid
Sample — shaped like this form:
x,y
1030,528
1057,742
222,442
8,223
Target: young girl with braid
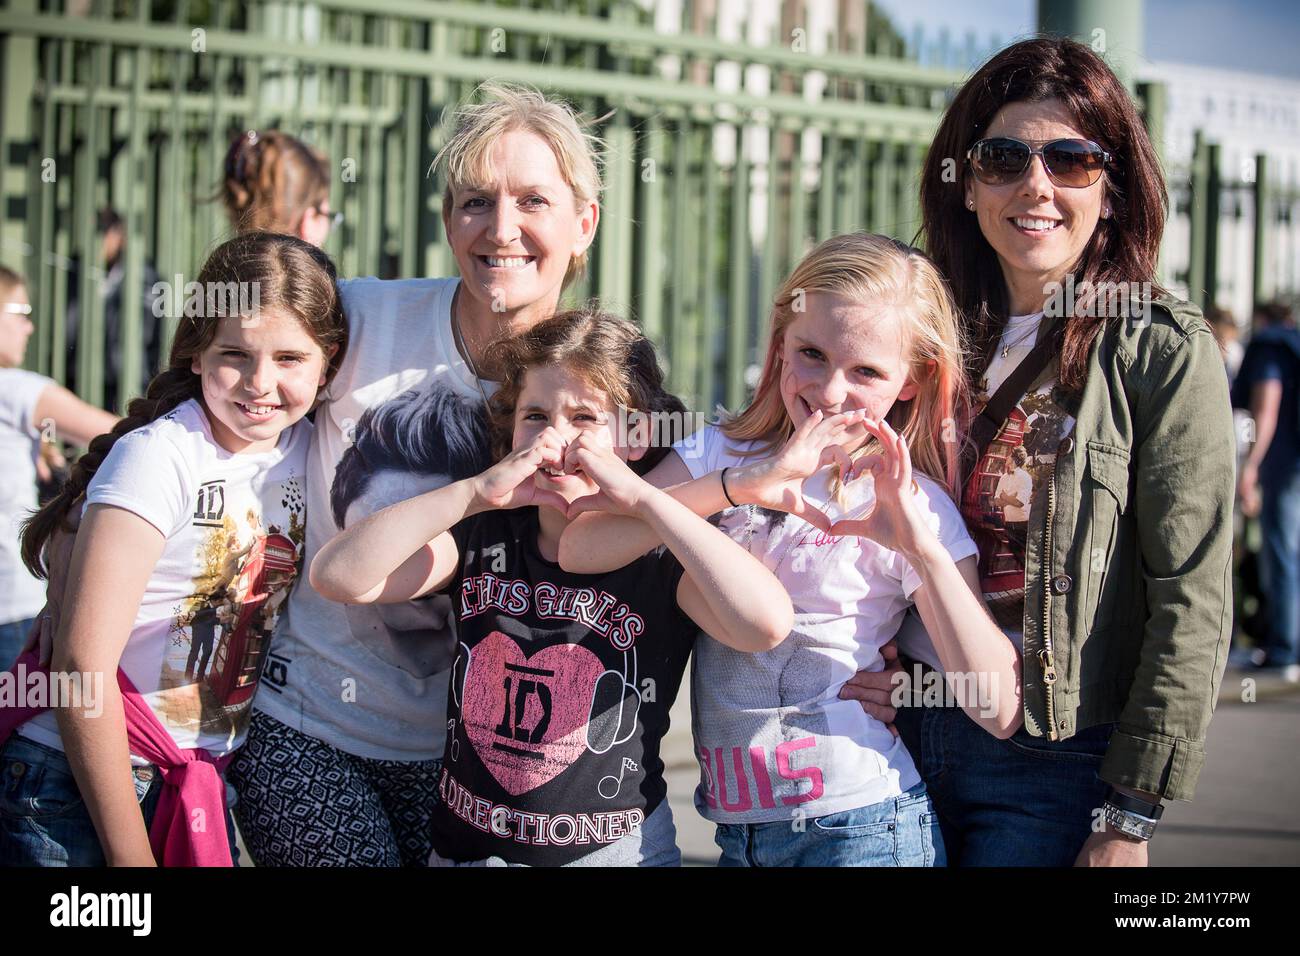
x,y
191,532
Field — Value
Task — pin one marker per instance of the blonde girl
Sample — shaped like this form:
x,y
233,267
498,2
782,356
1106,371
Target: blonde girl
x,y
839,476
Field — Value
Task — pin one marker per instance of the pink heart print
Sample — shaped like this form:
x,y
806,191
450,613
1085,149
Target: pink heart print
x,y
526,715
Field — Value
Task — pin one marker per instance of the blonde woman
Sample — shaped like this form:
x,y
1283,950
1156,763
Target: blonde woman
x,y
341,763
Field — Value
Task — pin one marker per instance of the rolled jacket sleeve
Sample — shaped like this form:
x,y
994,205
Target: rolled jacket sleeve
x,y
1184,487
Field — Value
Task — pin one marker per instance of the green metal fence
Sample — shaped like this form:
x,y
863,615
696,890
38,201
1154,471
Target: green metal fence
x,y
713,189
1224,212
724,161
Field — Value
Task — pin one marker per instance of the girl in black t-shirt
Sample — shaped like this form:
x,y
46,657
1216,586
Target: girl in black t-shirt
x,y
562,682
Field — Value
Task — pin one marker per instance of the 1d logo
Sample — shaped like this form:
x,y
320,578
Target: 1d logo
x,y
512,725
210,507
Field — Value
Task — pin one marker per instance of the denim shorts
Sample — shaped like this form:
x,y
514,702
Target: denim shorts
x,y
903,831
43,820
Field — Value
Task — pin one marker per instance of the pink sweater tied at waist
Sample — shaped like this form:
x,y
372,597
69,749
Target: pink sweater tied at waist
x,y
189,826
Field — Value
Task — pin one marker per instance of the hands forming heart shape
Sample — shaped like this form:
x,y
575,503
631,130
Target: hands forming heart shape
x,y
894,521
550,472
588,474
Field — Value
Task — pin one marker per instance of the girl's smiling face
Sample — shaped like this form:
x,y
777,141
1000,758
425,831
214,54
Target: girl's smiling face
x,y
554,396
841,355
260,374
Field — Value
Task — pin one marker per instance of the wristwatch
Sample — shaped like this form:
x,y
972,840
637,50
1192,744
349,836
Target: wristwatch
x,y
1130,816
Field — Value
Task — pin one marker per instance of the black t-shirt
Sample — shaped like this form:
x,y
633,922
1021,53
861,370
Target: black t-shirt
x,y
559,699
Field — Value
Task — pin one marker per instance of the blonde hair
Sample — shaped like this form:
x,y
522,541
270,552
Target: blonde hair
x,y
882,271
503,108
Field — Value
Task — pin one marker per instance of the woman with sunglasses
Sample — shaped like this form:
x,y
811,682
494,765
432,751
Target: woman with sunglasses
x,y
1116,586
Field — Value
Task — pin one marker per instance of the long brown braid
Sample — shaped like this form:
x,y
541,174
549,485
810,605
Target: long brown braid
x,y
288,274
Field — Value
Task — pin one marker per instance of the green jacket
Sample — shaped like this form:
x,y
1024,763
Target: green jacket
x,y
1128,605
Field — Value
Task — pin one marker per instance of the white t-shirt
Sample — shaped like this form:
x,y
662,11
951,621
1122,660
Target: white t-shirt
x,y
772,736
234,534
21,595
1016,485
370,679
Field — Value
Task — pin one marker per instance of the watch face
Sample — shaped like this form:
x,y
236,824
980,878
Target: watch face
x,y
1129,824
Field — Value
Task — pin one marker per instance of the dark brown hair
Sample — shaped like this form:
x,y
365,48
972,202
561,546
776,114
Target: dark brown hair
x,y
289,275
1123,248
608,352
1274,312
271,180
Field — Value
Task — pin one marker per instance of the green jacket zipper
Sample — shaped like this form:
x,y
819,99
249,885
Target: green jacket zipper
x,y
1045,653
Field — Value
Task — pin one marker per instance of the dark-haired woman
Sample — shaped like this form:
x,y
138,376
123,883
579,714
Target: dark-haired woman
x,y
1119,595
197,492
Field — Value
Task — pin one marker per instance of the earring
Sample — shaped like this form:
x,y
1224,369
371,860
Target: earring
x,y
970,204
1106,213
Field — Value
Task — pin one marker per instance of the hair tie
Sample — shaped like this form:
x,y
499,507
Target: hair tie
x,y
725,493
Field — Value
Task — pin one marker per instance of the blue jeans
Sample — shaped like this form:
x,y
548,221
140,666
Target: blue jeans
x,y
12,638
903,831
1279,519
43,820
1025,801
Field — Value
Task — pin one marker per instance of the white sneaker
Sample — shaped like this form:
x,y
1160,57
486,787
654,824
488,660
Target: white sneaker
x,y
1291,673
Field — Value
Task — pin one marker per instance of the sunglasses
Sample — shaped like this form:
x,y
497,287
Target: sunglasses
x,y
1073,163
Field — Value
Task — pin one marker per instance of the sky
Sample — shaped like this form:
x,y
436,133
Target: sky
x,y
1259,36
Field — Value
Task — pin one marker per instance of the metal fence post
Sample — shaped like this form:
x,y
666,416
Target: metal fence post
x,y
19,72
1197,215
1263,211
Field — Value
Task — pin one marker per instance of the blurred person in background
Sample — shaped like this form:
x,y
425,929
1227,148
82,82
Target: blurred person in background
x,y
112,262
275,182
1268,485
30,405
1224,326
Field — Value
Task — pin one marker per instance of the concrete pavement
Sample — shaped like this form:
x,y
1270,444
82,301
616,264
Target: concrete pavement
x,y
1247,806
